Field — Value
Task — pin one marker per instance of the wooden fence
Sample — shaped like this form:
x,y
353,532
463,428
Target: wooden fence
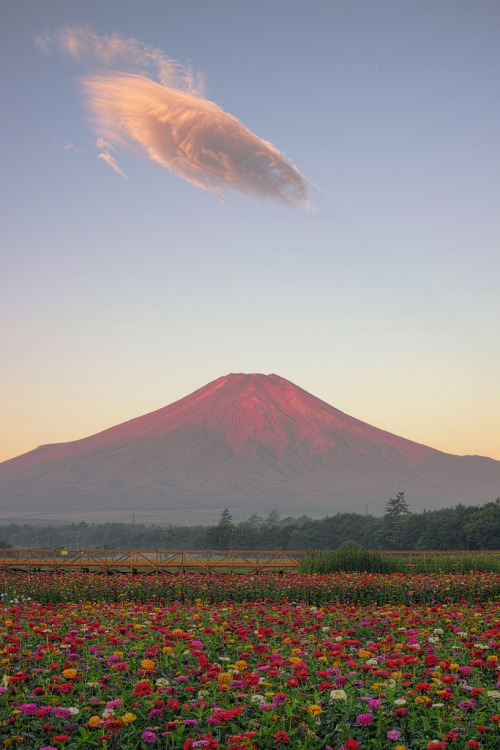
x,y
179,561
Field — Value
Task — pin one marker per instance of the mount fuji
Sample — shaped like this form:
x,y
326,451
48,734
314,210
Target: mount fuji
x,y
247,442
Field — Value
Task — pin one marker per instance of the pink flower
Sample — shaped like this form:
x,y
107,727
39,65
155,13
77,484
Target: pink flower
x,y
148,736
393,734
364,720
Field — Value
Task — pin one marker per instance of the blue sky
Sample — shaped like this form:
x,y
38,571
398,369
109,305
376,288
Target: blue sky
x,y
120,296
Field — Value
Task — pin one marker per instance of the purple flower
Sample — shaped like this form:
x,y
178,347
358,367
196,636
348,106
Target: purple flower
x,y
467,705
278,700
28,708
374,703
394,734
62,713
364,720
116,703
148,736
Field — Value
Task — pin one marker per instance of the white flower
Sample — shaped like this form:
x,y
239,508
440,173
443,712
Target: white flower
x,y
257,698
399,702
338,695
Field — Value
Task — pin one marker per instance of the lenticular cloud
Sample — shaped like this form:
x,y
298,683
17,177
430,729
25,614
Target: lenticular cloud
x,y
170,123
190,136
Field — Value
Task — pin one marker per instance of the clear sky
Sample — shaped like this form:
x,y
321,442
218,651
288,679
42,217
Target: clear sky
x,y
196,188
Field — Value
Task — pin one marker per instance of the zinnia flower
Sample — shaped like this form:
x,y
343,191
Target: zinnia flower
x,y
128,717
338,695
281,738
394,734
364,720
314,710
148,736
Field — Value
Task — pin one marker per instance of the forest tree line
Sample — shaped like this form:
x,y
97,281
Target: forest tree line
x,y
463,527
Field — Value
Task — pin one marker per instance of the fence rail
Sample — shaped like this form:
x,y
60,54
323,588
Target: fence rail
x,y
181,561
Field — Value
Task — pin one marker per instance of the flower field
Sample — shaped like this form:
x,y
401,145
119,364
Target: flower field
x,y
346,661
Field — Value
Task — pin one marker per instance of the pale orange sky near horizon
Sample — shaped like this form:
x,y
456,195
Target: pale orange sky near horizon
x,y
471,431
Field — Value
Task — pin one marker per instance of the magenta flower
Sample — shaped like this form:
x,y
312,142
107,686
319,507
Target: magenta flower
x,y
393,734
148,736
364,720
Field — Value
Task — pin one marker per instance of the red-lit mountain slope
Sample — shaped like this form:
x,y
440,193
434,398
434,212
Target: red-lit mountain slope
x,y
249,443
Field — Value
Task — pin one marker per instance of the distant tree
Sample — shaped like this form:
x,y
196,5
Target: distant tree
x,y
273,518
226,518
397,506
222,535
255,520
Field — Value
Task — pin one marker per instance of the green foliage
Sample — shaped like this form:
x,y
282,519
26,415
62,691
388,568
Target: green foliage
x,y
349,557
396,506
459,528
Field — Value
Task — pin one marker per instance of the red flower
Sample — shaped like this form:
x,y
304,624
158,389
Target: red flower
x,y
350,745
473,744
143,688
66,737
281,738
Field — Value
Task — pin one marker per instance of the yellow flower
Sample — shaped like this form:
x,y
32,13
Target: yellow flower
x,y
224,677
423,700
147,664
167,649
241,665
94,721
128,718
314,710
70,674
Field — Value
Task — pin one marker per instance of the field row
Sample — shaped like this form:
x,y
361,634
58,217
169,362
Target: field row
x,y
344,588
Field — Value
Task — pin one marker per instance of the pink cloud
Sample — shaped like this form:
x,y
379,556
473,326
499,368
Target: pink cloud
x,y
190,136
169,123
112,162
